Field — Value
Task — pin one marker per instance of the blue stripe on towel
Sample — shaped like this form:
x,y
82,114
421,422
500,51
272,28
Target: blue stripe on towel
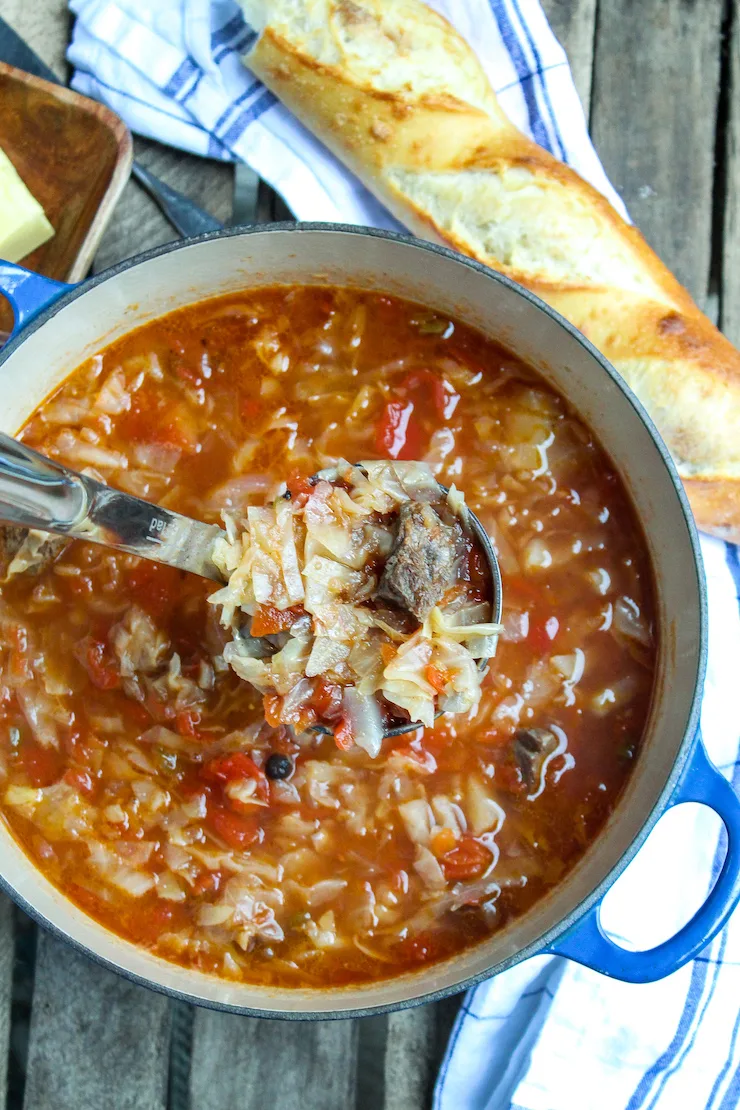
x,y
227,114
144,103
541,79
241,45
691,1007
216,149
732,1094
514,48
732,556
258,107
727,1064
227,32
184,73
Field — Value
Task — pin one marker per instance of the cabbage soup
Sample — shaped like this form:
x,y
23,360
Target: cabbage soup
x,y
178,805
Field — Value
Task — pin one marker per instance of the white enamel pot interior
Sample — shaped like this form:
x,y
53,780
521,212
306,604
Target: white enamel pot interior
x,y
115,302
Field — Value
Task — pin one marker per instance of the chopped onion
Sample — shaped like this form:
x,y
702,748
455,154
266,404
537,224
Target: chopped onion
x,y
484,813
428,869
449,815
418,820
215,915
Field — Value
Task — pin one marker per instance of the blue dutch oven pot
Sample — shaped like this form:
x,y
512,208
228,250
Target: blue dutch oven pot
x,y
58,326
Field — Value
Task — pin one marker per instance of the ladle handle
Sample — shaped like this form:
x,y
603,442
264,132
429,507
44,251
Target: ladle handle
x,y
36,492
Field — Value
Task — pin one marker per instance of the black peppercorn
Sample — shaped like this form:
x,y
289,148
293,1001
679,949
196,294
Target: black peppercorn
x,y
278,766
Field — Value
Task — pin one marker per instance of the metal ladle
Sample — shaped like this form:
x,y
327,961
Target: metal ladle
x,y
37,492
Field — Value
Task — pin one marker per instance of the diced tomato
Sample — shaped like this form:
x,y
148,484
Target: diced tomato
x,y
467,860
236,765
443,842
97,659
42,765
327,699
207,882
300,486
343,735
152,420
509,779
186,720
154,587
81,780
191,784
398,434
235,829
153,920
436,677
269,620
423,948
445,398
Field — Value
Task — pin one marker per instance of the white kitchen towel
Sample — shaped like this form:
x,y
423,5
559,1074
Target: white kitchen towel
x,y
549,1034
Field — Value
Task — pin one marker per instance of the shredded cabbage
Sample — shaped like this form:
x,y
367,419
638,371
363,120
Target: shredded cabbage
x,y
323,553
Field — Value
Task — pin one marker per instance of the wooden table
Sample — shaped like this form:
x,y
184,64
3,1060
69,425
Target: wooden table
x,y
661,79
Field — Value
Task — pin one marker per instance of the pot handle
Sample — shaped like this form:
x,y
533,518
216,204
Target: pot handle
x,y
587,943
27,292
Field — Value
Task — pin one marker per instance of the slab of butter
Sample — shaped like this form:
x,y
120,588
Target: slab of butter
x,y
23,222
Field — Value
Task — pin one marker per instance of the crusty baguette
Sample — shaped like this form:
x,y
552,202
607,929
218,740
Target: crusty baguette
x,y
402,100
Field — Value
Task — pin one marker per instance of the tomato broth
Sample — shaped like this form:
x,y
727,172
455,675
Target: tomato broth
x,y
140,774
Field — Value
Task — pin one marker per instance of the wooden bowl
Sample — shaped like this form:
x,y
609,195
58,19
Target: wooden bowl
x,y
75,156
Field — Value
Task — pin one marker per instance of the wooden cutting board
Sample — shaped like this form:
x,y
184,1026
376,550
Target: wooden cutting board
x,y
75,156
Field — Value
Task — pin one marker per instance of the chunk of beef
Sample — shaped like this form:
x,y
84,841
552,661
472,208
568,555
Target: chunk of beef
x,y
532,746
421,567
22,550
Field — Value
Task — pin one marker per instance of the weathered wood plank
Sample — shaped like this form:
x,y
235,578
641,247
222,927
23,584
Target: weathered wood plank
x,y
417,1041
255,1064
137,224
654,103
730,299
6,985
96,1039
574,22
45,25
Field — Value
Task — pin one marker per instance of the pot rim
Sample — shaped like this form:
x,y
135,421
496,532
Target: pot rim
x,y
546,940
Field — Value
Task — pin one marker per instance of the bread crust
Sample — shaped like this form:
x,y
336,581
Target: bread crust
x,y
401,99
